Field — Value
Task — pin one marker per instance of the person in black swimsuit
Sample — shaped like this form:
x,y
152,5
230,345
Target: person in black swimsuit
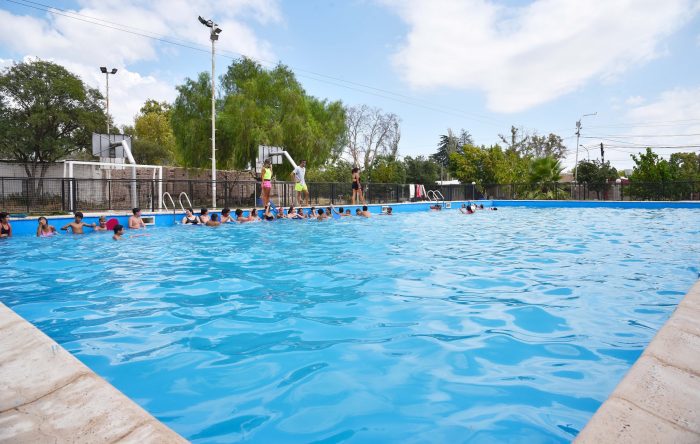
x,y
190,218
5,227
357,186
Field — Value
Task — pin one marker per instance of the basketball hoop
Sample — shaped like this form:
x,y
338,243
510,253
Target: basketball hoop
x,y
107,147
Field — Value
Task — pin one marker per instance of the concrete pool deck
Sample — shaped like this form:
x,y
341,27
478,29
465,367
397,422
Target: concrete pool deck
x,y
658,400
48,395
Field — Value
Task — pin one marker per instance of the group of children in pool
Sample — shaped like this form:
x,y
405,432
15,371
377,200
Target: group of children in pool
x,y
213,220
269,214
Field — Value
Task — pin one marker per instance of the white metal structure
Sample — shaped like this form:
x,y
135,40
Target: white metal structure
x,y
273,153
68,173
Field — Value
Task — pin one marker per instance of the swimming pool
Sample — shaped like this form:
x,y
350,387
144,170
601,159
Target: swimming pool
x,y
428,327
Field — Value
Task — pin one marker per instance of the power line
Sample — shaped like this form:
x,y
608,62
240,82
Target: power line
x,y
383,93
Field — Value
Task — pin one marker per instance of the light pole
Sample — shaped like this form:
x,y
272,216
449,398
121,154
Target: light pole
x,y
473,190
588,153
578,135
214,32
107,73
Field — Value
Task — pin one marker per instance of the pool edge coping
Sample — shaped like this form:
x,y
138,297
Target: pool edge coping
x,y
658,400
48,394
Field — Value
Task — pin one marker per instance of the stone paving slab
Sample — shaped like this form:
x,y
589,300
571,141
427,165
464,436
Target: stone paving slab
x,y
658,401
48,396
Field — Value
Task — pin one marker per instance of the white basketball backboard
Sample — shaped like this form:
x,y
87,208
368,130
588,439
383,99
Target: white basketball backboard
x,y
101,146
274,153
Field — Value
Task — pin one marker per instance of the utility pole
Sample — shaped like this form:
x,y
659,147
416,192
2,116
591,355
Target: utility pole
x,y
602,153
213,36
578,135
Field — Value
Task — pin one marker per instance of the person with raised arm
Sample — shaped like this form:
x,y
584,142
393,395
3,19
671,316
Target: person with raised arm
x,y
300,186
77,225
44,229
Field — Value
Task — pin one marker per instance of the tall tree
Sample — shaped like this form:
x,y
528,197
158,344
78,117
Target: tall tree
x,y
597,175
421,170
371,133
517,141
191,121
153,139
256,107
450,143
541,146
46,114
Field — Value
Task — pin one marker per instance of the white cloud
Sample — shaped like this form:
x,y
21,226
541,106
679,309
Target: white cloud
x,y
671,120
635,100
525,56
83,47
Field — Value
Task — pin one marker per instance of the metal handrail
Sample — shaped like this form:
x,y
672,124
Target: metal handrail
x,y
165,204
179,199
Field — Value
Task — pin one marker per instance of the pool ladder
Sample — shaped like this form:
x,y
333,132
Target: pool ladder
x,y
179,199
436,196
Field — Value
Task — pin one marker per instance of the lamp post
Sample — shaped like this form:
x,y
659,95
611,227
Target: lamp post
x,y
214,32
473,190
107,73
588,153
578,135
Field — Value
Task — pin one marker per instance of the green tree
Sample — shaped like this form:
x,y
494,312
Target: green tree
x,y
541,146
46,114
545,169
256,107
649,175
387,169
421,170
153,139
191,122
338,171
598,176
685,166
451,143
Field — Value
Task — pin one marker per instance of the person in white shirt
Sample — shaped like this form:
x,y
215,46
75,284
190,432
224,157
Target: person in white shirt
x,y
300,186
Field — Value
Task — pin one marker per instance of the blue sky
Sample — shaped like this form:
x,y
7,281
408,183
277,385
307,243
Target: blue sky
x,y
474,64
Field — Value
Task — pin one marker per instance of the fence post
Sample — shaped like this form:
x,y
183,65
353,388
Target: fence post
x,y
74,195
109,194
153,195
332,193
26,193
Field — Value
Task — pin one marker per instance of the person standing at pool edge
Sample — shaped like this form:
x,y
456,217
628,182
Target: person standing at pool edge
x,y
266,175
357,186
300,186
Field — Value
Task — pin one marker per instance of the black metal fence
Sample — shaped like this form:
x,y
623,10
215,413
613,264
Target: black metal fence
x,y
50,195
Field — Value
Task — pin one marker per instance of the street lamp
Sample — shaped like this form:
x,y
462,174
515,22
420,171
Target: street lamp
x,y
473,190
588,153
214,32
578,134
107,73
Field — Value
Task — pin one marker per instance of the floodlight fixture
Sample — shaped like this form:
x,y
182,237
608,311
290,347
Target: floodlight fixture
x,y
114,71
103,69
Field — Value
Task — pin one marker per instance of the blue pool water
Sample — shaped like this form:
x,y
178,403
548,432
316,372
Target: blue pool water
x,y
507,326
